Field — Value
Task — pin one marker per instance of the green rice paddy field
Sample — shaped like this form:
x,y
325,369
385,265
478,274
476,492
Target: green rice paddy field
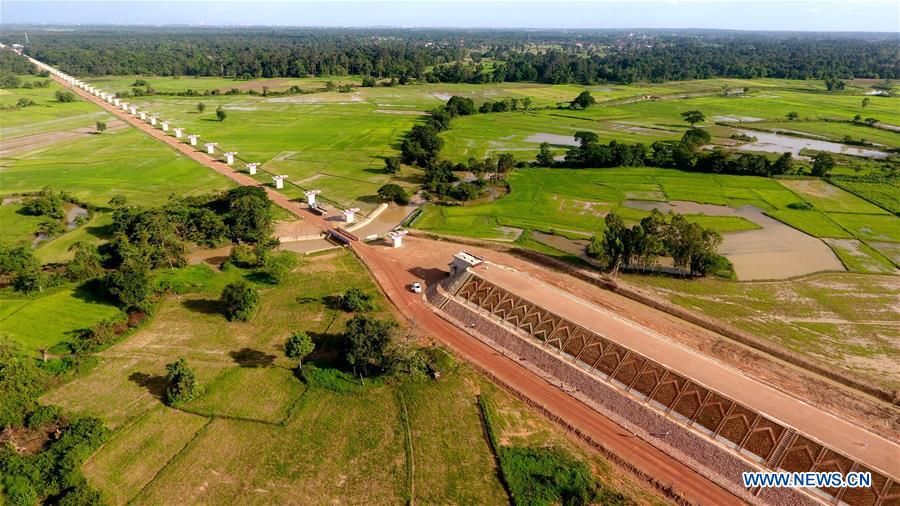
x,y
336,142
260,434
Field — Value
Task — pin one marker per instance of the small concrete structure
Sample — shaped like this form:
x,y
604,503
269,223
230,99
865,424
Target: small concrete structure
x,y
143,116
165,126
462,261
311,198
279,181
116,102
178,132
350,214
396,237
193,139
153,119
110,99
251,168
124,106
229,157
134,110
210,147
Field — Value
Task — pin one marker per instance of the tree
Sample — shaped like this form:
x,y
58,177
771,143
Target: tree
x,y
544,156
250,213
298,347
130,285
865,102
693,117
695,137
86,263
823,163
392,164
584,100
101,127
393,193
356,300
221,114
201,107
585,137
460,106
421,145
182,383
505,163
24,102
784,164
791,116
118,201
368,82
857,118
240,301
367,344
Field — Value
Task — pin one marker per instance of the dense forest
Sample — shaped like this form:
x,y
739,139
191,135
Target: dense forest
x,y
462,55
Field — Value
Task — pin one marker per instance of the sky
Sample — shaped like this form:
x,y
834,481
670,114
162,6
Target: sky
x,y
808,15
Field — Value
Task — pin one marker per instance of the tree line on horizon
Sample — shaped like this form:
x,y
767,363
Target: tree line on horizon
x,y
472,56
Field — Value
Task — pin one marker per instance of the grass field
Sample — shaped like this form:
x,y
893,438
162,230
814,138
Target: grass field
x,y
96,167
57,152
260,435
47,115
578,200
625,118
845,320
47,319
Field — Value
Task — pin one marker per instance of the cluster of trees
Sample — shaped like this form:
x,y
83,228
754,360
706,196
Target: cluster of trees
x,y
456,56
691,246
422,146
53,474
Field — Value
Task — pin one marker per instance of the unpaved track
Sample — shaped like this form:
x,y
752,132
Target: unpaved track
x,y
394,278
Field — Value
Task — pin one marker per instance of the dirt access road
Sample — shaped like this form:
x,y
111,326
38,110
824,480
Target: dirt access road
x,y
394,279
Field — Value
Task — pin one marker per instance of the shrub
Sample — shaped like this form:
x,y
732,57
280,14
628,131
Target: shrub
x,y
696,137
243,255
392,164
182,381
16,258
800,206
43,415
547,476
30,280
21,382
393,193
277,267
356,301
330,379
240,301
45,203
65,96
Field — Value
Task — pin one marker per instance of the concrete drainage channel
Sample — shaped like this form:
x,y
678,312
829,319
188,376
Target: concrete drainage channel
x,y
720,454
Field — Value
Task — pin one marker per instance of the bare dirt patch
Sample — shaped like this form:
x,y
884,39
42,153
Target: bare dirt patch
x,y
559,140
